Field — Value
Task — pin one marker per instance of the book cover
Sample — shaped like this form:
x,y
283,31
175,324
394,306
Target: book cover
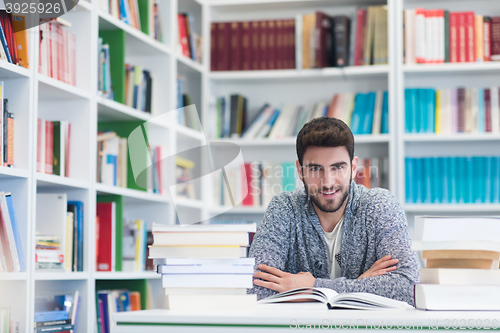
x,y
236,46
495,38
118,202
245,46
340,41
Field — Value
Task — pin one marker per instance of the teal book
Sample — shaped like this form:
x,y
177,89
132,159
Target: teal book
x,y
452,179
408,110
488,186
357,113
369,110
288,180
409,179
430,107
479,179
427,187
461,178
469,180
480,115
420,111
495,179
435,197
419,177
385,113
443,175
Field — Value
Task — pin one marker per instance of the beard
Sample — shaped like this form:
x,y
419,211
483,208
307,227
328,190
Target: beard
x,y
329,206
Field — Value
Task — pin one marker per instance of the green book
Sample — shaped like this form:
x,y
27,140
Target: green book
x,y
288,180
57,149
116,41
139,146
118,200
144,15
446,36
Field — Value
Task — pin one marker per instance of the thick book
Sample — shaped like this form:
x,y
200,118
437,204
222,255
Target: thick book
x,y
206,280
212,302
201,238
161,252
334,300
457,297
460,276
206,269
106,211
340,41
245,227
495,38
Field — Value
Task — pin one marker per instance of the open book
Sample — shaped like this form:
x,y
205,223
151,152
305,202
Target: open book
x,y
329,297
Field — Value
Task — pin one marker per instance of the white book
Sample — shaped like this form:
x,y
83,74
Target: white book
x,y
446,111
212,302
205,291
210,261
474,104
420,36
259,123
207,281
161,252
278,124
495,110
7,224
206,269
244,227
348,108
332,299
440,38
377,115
457,297
460,276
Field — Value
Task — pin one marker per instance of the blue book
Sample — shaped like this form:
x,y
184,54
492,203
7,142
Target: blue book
x,y
452,179
421,115
413,113
461,177
488,186
257,116
64,302
369,111
408,110
443,196
480,116
435,197
357,114
480,179
469,180
15,229
103,297
78,233
409,179
385,113
427,184
430,108
125,298
419,179
495,190
51,315
190,20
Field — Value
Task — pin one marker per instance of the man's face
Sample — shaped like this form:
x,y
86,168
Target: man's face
x,y
326,173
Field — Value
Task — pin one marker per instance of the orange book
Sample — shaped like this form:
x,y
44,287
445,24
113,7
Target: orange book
x,y
135,300
19,25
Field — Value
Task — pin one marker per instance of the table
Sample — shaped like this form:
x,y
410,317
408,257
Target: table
x,y
278,318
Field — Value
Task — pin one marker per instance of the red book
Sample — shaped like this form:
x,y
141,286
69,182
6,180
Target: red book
x,y
49,144
367,179
462,38
60,54
72,55
255,45
495,38
246,58
453,37
236,46
470,36
213,46
279,45
271,45
223,49
248,199
264,54
106,213
360,37
487,38
291,44
10,140
322,42
487,110
183,37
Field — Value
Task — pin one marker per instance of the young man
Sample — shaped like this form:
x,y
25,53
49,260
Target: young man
x,y
333,233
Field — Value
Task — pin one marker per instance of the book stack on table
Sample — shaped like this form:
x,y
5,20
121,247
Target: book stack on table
x,y
461,263
206,266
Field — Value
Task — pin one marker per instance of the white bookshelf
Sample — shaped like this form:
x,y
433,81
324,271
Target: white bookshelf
x,y
33,96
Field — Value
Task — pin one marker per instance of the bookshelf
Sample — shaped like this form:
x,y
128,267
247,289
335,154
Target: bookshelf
x,y
32,96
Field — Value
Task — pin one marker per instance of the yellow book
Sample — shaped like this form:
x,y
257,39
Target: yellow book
x,y
68,251
438,111
19,25
479,38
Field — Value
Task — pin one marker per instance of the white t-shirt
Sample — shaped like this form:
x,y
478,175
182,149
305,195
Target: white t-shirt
x,y
333,240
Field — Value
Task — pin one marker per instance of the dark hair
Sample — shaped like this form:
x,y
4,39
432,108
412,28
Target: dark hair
x,y
324,132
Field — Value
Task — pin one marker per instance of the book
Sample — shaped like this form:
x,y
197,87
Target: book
x,y
333,300
457,297
459,276
462,263
197,251
201,238
460,254
205,269
206,280
212,302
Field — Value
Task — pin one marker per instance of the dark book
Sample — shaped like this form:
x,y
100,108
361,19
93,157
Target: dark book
x,y
245,46
236,46
233,114
487,110
149,85
254,45
271,45
340,41
323,40
487,37
223,49
359,48
213,46
279,44
57,150
291,44
461,109
495,38
52,323
446,36
263,47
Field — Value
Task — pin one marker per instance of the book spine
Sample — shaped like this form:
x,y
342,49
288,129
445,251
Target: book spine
x,y
213,46
223,50
291,39
10,140
254,45
479,38
461,110
236,46
487,38
453,37
245,45
487,110
495,38
271,44
446,36
322,38
420,44
279,39
462,38
264,54
340,27
471,36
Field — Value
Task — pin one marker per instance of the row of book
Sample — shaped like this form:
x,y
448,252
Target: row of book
x,y
373,172
121,242
446,111
104,84
456,180
53,147
338,41
13,38
138,88
190,43
185,117
252,45
438,36
57,313
143,15
57,52
365,113
113,301
206,266
6,131
59,233
11,249
461,263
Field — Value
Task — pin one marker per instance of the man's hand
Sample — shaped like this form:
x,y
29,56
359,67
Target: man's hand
x,y
380,267
281,281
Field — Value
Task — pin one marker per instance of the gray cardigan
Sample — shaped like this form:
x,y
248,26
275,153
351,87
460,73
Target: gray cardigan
x,y
291,239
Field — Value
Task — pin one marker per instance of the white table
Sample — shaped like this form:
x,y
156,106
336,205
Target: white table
x,y
284,317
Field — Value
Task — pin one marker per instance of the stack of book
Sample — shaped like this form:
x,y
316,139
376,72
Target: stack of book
x,y
454,179
206,265
53,147
364,113
11,250
461,263
57,313
57,52
190,43
252,45
447,111
338,41
438,36
113,301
